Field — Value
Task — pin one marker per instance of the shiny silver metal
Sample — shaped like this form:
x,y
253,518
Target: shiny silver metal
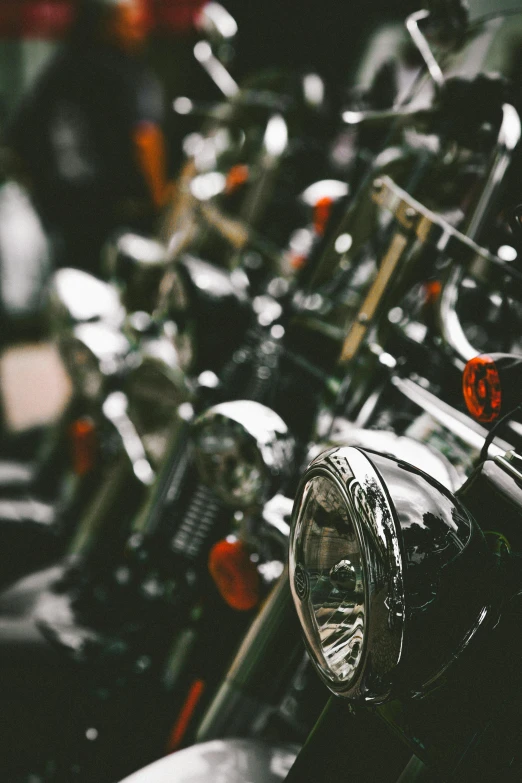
x,y
134,249
233,761
420,41
429,577
216,22
344,433
77,297
243,450
115,410
345,478
450,327
92,352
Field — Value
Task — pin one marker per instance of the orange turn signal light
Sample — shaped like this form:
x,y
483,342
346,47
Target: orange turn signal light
x,y
322,212
482,389
237,176
83,445
235,575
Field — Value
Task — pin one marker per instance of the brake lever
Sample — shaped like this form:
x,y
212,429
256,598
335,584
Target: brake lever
x,y
402,115
215,69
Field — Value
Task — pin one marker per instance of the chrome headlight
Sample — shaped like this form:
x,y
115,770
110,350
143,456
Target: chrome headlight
x,y
77,297
136,265
243,451
155,385
390,575
90,353
209,309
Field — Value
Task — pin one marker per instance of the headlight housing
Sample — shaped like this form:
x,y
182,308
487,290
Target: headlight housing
x,y
210,310
77,297
243,451
390,575
91,352
136,264
155,386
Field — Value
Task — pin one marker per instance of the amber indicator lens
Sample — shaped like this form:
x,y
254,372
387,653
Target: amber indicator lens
x,y
83,445
322,212
481,388
235,575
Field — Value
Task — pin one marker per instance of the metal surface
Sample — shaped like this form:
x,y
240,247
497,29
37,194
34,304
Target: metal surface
x,y
420,41
344,433
77,297
243,450
115,410
358,644
410,532
221,761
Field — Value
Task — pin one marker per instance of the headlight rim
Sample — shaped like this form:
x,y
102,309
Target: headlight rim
x,y
358,686
273,464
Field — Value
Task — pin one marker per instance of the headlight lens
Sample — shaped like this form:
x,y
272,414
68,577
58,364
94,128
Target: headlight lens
x,y
390,575
243,450
328,577
91,352
83,367
155,389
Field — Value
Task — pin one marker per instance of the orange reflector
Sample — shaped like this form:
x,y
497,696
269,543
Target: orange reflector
x,y
298,261
180,727
432,291
236,177
235,575
322,212
84,445
481,388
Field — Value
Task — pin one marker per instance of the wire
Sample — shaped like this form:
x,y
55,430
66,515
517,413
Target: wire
x,y
493,431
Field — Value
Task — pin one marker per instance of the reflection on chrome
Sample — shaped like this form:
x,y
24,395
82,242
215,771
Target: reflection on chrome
x,y
333,576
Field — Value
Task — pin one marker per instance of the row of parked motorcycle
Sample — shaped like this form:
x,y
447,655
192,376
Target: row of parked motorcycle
x,y
303,394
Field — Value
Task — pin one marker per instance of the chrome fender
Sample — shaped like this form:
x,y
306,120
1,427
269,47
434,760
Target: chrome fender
x,y
221,761
400,447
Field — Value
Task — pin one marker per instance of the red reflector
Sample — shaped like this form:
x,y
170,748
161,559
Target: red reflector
x,y
180,727
322,211
235,575
481,388
84,445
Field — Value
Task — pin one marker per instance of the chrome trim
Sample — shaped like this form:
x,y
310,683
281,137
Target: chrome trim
x,y
376,527
115,410
420,41
461,425
250,423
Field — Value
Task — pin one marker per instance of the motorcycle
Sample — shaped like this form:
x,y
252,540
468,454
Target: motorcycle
x,y
218,422
368,503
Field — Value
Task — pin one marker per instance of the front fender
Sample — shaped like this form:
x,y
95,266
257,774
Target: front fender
x,y
236,761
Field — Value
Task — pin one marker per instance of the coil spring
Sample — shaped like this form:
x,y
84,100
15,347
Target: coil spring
x,y
197,523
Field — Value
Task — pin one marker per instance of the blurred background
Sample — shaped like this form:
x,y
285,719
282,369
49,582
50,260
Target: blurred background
x,y
328,38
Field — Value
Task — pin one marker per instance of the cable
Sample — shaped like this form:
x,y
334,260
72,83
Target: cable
x,y
489,439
